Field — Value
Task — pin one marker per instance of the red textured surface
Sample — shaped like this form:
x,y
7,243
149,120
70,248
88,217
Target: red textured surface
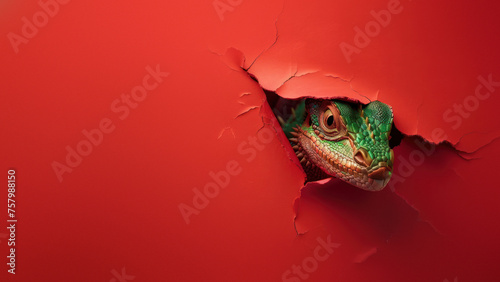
x,y
119,209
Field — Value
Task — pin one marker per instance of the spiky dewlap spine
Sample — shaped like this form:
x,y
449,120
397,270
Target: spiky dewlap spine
x,y
312,172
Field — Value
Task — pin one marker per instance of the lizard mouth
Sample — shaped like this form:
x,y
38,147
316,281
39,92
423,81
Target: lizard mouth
x,y
333,163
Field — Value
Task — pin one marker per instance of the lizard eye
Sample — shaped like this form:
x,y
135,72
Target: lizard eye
x,y
329,120
329,124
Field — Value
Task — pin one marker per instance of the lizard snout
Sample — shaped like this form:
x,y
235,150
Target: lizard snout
x,y
380,173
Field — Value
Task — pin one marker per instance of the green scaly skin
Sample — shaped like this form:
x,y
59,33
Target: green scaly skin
x,y
343,140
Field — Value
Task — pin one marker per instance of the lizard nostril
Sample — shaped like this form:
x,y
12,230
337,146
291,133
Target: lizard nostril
x,y
363,158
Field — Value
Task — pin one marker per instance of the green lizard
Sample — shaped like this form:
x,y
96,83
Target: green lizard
x,y
345,140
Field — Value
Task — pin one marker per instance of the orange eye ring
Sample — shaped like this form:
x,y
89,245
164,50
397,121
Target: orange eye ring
x,y
331,123
328,121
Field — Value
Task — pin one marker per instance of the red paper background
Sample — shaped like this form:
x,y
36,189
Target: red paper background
x,y
118,211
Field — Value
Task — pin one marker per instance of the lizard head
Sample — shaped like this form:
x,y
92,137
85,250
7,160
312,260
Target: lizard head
x,y
347,141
